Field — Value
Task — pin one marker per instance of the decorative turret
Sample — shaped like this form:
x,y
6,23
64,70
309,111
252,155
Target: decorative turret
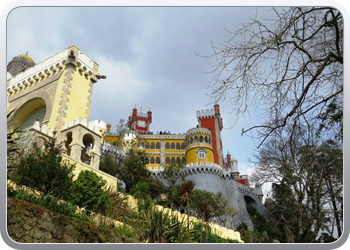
x,y
258,190
234,168
19,64
199,146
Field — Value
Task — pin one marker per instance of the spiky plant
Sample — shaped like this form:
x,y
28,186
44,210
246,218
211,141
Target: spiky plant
x,y
206,214
186,193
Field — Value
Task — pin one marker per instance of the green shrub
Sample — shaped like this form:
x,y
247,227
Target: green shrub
x,y
45,171
88,193
48,202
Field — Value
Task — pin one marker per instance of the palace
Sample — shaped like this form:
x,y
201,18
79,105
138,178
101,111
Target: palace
x,y
53,98
199,145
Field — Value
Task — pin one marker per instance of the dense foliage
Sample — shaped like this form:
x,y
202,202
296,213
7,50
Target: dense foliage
x,y
133,168
88,193
45,171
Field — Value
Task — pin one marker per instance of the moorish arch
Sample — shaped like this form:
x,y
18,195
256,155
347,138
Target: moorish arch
x,y
34,101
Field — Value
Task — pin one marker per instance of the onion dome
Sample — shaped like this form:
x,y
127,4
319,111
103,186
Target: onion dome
x,y
26,57
19,64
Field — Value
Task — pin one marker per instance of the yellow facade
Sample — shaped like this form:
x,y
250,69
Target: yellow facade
x,y
165,149
53,98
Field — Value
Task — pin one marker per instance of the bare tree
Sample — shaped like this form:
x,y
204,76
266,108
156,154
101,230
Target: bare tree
x,y
290,66
312,169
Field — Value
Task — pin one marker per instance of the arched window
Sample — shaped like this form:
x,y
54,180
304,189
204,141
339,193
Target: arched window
x,y
167,145
183,145
153,145
178,146
157,160
172,145
183,159
88,142
201,154
157,145
178,160
173,159
151,160
167,160
147,145
68,141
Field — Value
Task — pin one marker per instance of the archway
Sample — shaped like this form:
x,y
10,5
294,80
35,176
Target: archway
x,y
88,142
250,201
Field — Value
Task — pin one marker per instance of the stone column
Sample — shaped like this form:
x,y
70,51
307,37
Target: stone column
x,y
76,149
162,152
95,160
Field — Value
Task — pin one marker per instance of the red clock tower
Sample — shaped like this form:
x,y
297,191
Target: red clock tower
x,y
139,121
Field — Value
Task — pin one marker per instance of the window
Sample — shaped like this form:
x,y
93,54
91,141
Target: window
x,y
201,154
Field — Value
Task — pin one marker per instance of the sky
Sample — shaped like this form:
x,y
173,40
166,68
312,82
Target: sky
x,y
150,56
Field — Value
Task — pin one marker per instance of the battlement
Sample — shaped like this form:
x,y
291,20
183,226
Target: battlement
x,y
254,192
43,129
207,113
92,125
49,66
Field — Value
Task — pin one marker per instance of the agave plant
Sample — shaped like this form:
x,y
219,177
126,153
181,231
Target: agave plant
x,y
159,226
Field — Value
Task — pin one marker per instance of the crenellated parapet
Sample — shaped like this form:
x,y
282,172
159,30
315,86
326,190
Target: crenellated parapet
x,y
43,129
94,126
207,113
252,192
51,66
199,167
